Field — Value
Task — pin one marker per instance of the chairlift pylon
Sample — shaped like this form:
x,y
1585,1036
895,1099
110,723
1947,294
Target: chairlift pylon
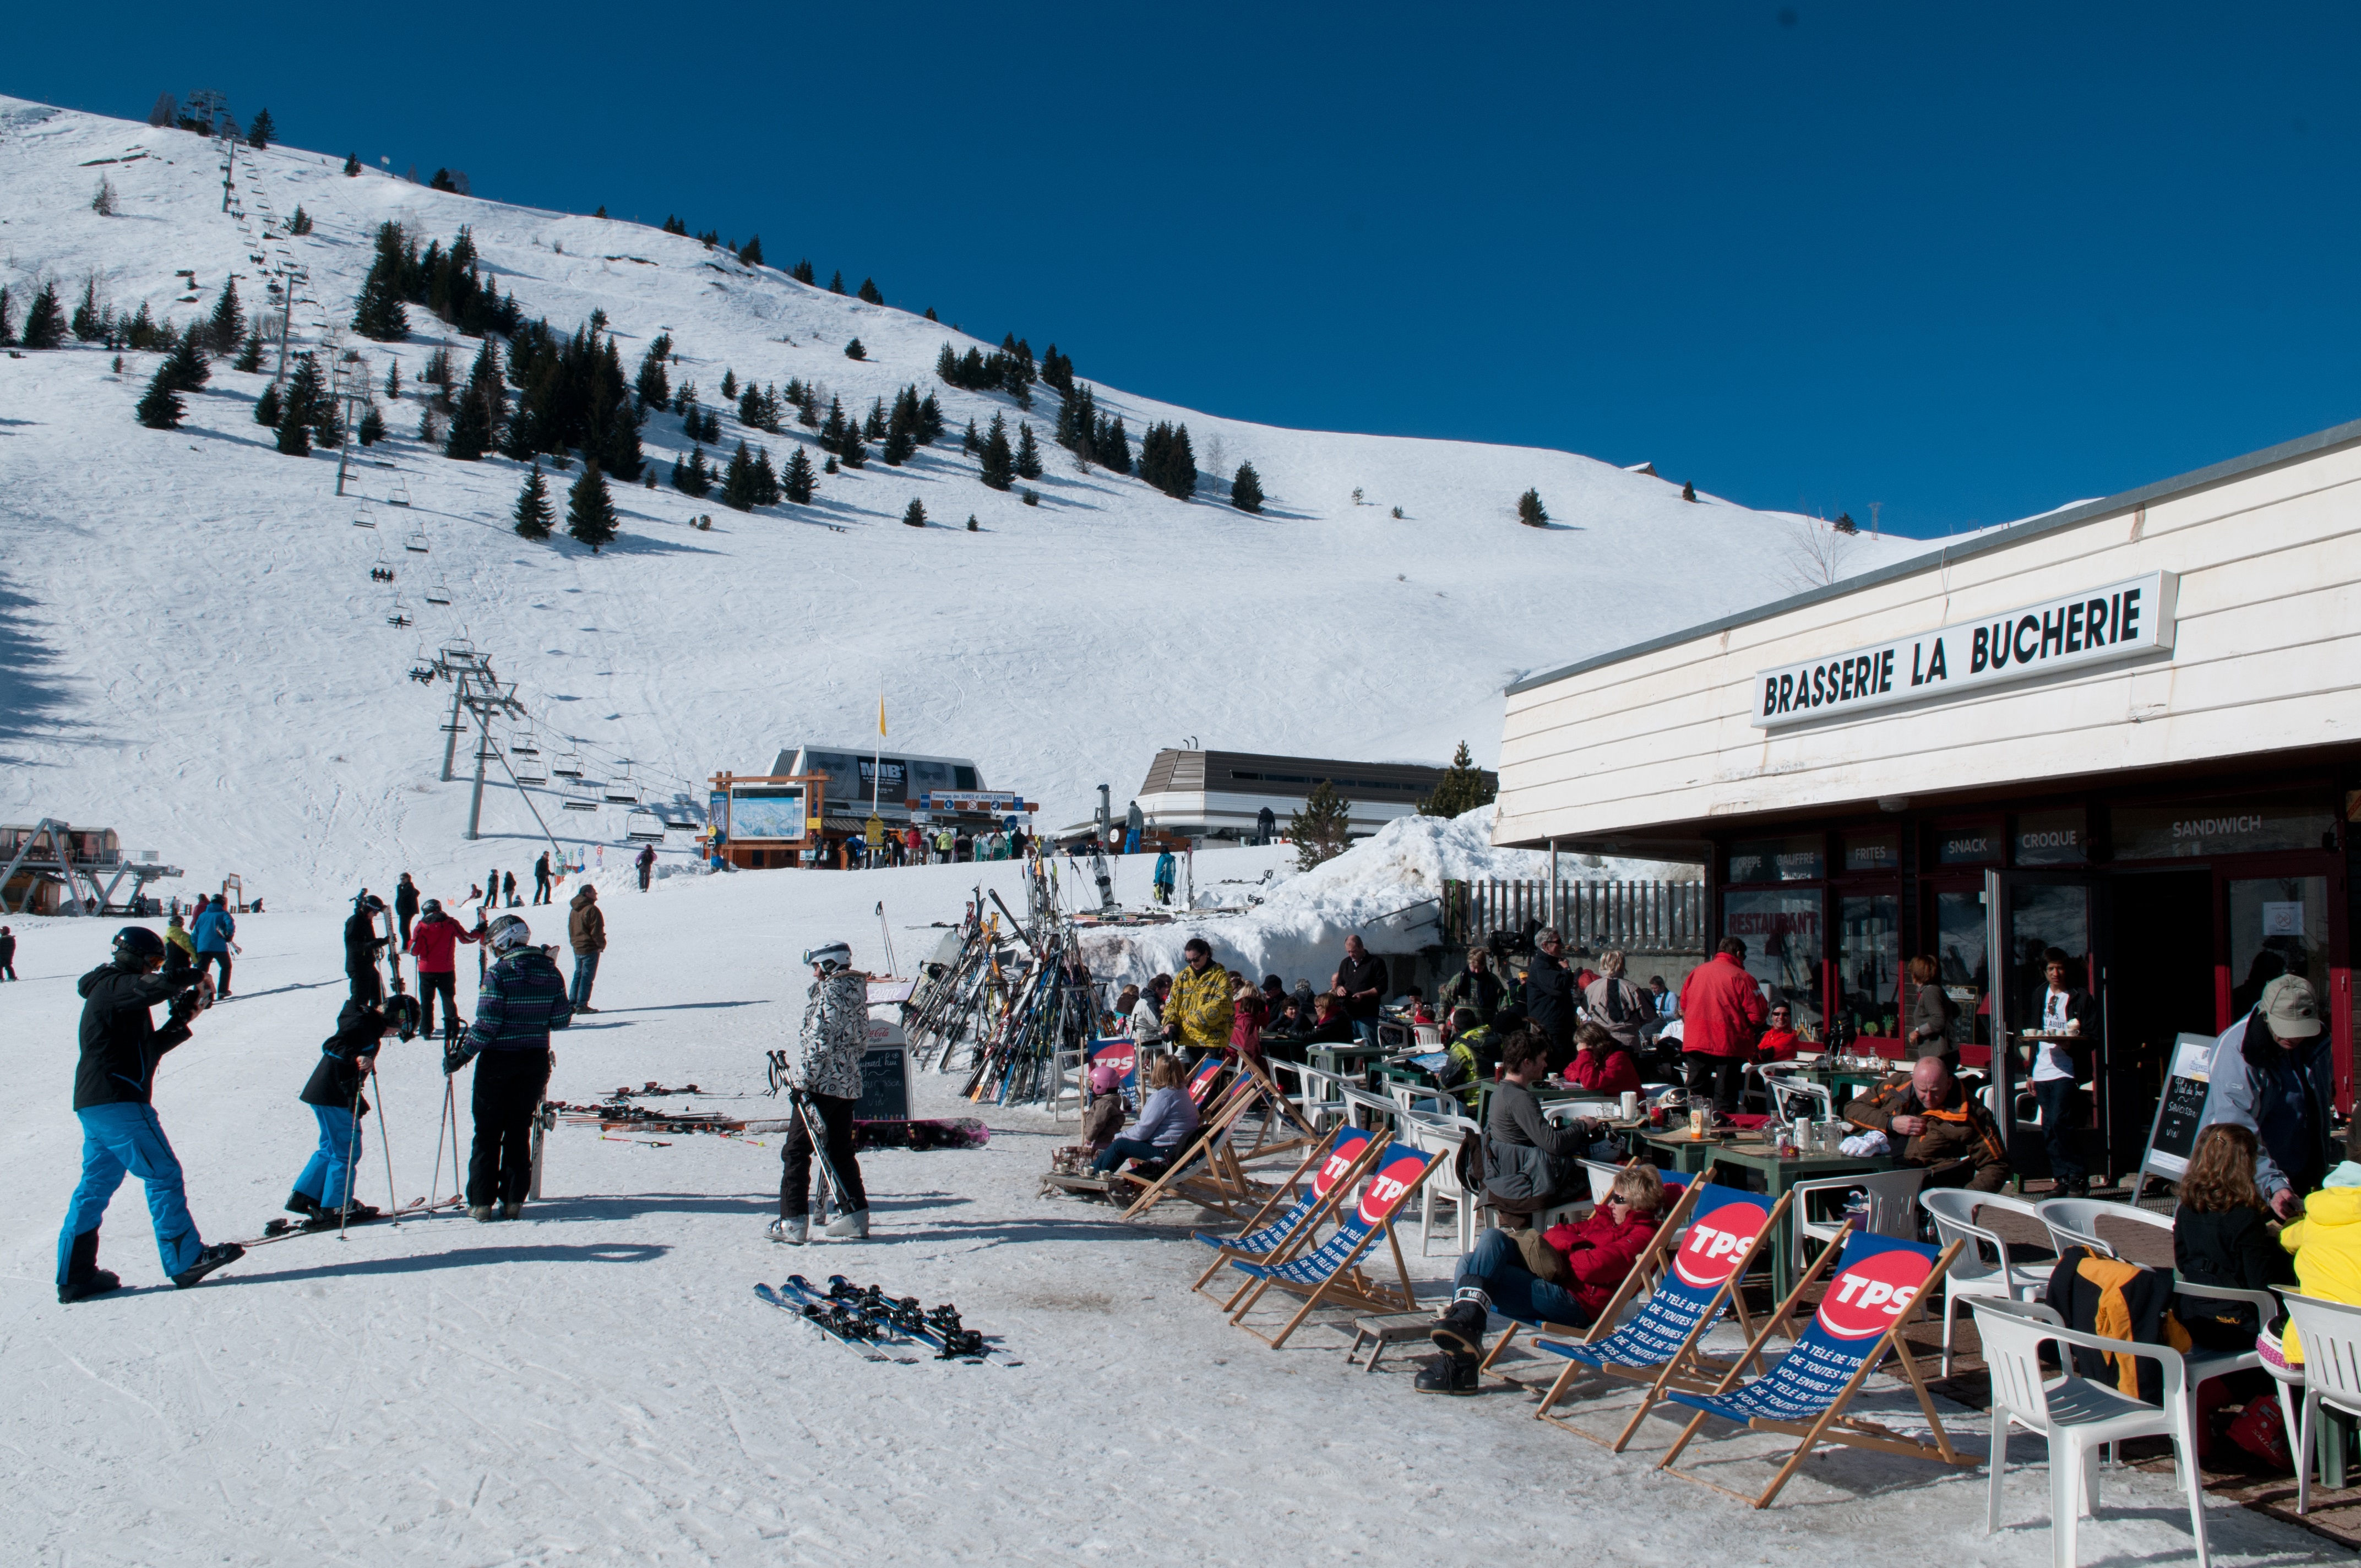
x,y
645,827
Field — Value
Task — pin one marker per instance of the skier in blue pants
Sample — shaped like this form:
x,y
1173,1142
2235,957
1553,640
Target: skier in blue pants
x,y
325,1190
120,1133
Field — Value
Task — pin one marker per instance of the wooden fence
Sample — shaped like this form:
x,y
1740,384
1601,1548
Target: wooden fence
x,y
1641,917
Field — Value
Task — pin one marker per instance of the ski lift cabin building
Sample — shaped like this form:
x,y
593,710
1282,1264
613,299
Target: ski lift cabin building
x,y
1222,795
2129,730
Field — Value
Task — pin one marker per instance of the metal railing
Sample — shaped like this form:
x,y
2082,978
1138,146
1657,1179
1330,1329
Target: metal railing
x,y
1641,917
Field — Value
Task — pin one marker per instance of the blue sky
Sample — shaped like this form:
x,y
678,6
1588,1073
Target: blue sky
x,y
1967,262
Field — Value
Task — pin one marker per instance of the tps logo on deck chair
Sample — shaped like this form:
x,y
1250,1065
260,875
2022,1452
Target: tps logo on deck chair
x,y
1265,1237
1717,1240
1330,1273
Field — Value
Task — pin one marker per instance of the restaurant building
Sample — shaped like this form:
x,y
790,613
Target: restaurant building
x,y
2130,729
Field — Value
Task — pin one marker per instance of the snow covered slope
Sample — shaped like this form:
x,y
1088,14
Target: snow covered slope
x,y
198,656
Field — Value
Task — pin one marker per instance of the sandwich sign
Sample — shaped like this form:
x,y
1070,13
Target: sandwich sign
x,y
2058,636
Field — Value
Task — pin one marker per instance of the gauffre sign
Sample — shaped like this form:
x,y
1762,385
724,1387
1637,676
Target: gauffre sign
x,y
2056,637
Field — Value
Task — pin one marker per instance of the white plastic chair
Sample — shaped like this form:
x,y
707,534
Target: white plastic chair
x,y
1441,1135
1789,1095
1360,1105
1973,1276
1892,1207
1427,1035
1323,1092
2079,1417
1420,1101
2330,1337
2074,1221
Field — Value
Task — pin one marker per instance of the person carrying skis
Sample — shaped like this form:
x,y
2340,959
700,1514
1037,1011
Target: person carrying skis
x,y
362,942
647,864
522,999
433,942
120,1133
541,878
405,904
323,1194
213,932
824,1076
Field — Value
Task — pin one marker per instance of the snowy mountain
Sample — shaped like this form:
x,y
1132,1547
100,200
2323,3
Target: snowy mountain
x,y
199,656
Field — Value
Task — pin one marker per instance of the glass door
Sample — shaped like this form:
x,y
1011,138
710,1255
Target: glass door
x,y
2028,917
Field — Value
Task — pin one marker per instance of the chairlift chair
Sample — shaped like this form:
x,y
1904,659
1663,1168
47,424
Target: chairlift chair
x,y
400,615
568,764
623,790
528,771
581,798
381,570
438,593
646,827
364,518
416,542
524,744
400,496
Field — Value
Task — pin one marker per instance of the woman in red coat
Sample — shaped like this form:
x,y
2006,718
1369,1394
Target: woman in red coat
x,y
1600,1063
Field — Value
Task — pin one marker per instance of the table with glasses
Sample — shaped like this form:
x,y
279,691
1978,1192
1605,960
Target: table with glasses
x,y
1694,1157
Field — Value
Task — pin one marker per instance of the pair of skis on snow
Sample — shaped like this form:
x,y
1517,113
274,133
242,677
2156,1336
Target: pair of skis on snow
x,y
287,1230
867,1321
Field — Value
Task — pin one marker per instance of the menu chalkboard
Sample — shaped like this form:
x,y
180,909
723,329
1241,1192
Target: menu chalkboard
x,y
2180,1108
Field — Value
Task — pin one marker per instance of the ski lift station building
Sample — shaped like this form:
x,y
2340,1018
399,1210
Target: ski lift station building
x,y
1222,795
897,780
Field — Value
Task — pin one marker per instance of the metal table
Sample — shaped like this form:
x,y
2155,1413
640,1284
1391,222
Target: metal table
x,y
1694,1157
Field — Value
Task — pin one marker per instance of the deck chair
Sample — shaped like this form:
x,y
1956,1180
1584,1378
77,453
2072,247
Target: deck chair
x,y
1331,1273
1337,1168
1697,1280
1881,1285
1204,1167
1643,1271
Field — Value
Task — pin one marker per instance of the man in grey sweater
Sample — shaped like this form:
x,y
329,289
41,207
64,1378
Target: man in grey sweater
x,y
1529,1161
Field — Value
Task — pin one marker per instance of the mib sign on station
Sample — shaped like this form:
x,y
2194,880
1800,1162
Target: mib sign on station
x,y
2094,626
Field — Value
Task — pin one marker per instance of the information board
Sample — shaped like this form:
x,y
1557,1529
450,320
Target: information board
x,y
2180,1108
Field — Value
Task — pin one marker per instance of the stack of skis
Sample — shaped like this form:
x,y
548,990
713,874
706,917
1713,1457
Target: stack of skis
x,y
1014,1005
868,1322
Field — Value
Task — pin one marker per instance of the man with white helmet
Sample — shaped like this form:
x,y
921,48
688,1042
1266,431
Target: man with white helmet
x,y
522,999
824,1075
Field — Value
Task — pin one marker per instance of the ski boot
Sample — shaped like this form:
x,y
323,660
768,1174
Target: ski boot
x,y
793,1232
514,1211
849,1227
302,1203
482,1213
85,1279
1449,1373
210,1258
1460,1329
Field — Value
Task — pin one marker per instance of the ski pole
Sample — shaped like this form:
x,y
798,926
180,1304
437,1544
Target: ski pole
x,y
815,1129
352,1157
385,1146
434,1183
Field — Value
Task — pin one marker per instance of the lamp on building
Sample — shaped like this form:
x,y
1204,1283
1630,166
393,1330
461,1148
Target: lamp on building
x,y
1894,803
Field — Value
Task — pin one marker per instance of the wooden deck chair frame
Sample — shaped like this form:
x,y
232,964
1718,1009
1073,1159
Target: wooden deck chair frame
x,y
1228,1192
1689,1367
1347,1284
1288,1244
1643,1269
1832,1425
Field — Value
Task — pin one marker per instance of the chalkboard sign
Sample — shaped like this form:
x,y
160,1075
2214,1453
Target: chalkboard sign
x,y
2180,1108
884,1085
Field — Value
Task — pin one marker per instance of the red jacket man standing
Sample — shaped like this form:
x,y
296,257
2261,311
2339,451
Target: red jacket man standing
x,y
433,942
1722,1010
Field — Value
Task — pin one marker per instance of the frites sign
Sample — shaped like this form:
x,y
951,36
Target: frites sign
x,y
2096,626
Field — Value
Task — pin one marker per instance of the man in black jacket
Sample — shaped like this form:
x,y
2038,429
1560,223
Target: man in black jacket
x,y
1362,980
120,1133
323,1192
1549,998
405,904
362,941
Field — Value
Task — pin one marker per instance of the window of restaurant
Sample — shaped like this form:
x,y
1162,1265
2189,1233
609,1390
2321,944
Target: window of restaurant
x,y
1784,945
2277,925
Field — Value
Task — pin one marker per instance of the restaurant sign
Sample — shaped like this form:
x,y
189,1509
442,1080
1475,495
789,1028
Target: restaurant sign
x,y
2058,636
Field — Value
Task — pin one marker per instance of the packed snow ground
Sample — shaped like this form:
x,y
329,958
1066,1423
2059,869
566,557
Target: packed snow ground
x,y
598,1384
198,657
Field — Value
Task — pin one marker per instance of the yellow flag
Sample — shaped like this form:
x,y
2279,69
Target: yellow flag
x,y
880,712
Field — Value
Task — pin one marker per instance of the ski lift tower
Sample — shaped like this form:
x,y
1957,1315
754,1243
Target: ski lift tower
x,y
479,693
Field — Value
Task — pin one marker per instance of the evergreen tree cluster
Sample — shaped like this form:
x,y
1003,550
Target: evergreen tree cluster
x,y
479,412
1058,371
1461,789
447,282
1009,368
1166,461
45,323
184,371
1245,490
572,394
869,293
305,415
1090,435
673,225
749,481
259,130
760,408
840,437
694,477
750,253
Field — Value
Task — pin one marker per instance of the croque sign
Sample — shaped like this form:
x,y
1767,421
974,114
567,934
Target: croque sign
x,y
2057,636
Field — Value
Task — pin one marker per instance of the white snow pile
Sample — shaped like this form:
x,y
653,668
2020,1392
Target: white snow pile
x,y
200,659
1386,888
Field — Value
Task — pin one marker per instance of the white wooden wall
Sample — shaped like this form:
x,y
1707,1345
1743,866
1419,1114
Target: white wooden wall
x,y
2267,657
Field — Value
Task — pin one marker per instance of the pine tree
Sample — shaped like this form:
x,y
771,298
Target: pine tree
x,y
377,313
971,444
295,435
589,509
653,387
831,466
853,454
835,283
45,323
854,351
1058,371
259,130
328,430
869,293
305,398
972,526
689,478
1245,490
393,382
90,319
999,463
186,370
167,110
1845,524
946,365
729,386
915,514
1461,789
750,253
227,324
1321,829
930,421
1688,490
766,478
1028,454
619,452
7,319
930,315
352,166
266,406
874,426
1111,447
807,408
799,481
831,430
532,513
803,272
160,409
249,356
476,423
372,427
301,223
708,426
139,332
1530,510
738,483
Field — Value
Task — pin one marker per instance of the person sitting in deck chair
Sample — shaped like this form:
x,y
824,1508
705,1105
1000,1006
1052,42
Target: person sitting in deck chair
x,y
1165,1122
1564,1275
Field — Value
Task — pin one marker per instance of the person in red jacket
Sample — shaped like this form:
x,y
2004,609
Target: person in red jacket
x,y
1780,1041
1601,1064
433,942
1596,1253
1722,1011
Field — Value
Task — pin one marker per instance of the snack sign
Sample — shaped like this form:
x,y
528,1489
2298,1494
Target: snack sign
x,y
2057,636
